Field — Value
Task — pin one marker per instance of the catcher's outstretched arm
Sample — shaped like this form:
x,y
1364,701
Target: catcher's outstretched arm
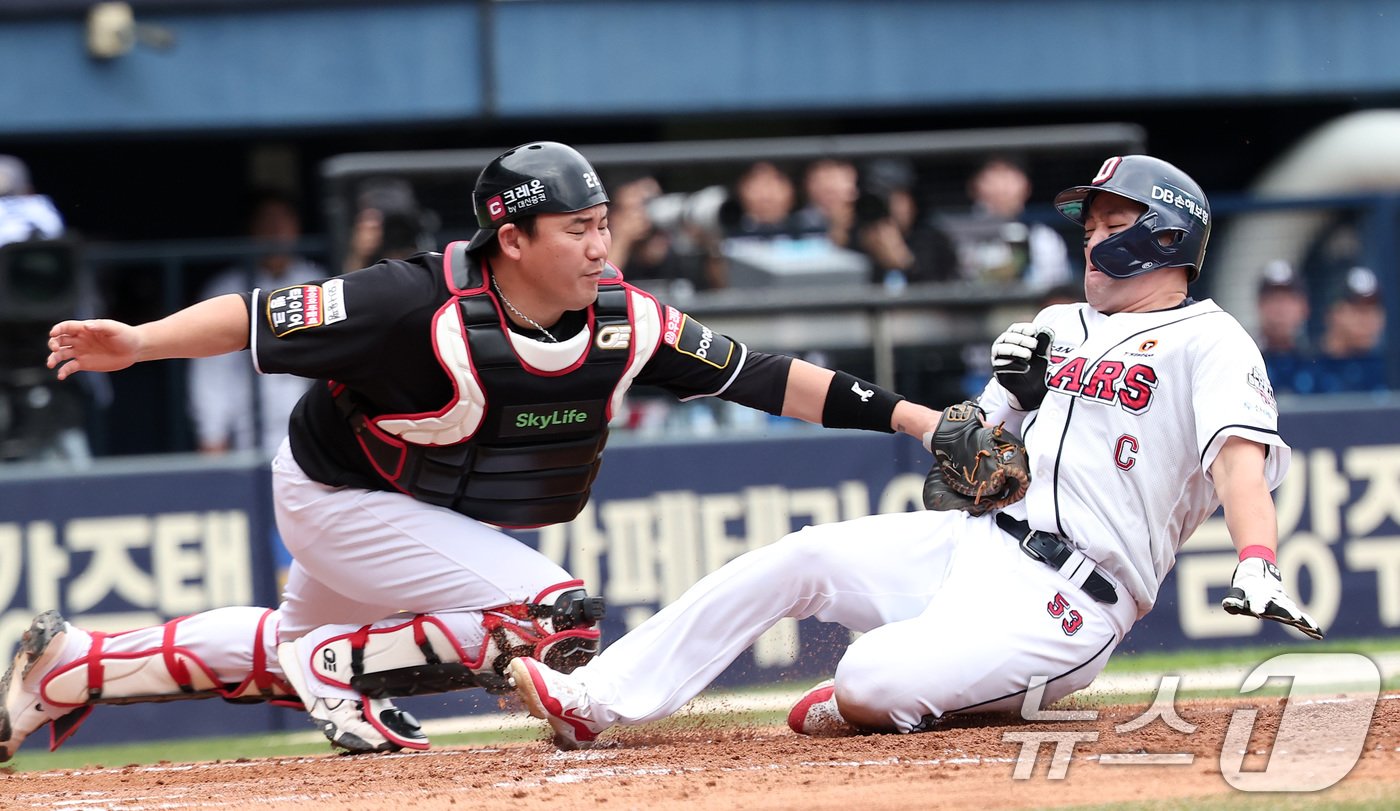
x,y
807,385
211,327
839,400
916,420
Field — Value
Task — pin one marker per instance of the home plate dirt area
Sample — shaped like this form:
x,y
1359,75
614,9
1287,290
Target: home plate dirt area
x,y
707,763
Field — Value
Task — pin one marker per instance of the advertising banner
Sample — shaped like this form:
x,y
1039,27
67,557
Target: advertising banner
x,y
123,549
1339,543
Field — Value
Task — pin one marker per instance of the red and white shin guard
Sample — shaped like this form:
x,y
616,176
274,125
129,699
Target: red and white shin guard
x,y
421,655
186,658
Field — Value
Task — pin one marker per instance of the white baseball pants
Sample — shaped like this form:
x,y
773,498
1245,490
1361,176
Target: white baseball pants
x,y
956,618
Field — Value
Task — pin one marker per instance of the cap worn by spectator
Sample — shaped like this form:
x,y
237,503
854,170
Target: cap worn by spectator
x,y
1279,276
14,176
1362,286
885,175
388,194
24,215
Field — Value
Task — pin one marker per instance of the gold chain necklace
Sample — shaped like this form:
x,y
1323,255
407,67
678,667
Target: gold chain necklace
x,y
532,322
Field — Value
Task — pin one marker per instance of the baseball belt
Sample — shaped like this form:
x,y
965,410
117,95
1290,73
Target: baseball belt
x,y
1059,554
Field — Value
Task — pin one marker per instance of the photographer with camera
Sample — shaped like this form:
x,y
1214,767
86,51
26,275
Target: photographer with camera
x,y
901,249
670,240
24,215
389,224
995,242
39,278
832,190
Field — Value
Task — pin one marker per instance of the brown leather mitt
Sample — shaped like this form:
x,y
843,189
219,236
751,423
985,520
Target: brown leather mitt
x,y
976,468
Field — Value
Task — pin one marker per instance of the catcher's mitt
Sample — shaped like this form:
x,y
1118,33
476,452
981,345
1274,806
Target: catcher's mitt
x,y
976,468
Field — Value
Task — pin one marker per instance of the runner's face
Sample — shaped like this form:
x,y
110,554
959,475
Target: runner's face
x,y
1110,214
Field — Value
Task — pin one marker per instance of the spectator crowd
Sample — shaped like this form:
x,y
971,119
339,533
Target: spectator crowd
x,y
767,223
1348,355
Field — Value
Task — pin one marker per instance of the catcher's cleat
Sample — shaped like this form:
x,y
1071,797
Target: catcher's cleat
x,y
816,714
395,724
359,726
24,711
557,698
363,727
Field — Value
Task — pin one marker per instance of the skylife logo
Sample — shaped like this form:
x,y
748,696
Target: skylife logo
x,y
559,417
545,419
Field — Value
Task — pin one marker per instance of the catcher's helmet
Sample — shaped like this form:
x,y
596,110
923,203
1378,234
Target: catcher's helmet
x,y
1172,233
543,177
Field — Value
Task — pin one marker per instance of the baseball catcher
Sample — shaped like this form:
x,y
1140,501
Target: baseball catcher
x,y
976,468
461,392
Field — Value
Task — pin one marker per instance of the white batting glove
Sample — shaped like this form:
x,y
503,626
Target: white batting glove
x,y
1020,359
1256,590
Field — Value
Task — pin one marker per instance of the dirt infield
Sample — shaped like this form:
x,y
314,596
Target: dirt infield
x,y
709,765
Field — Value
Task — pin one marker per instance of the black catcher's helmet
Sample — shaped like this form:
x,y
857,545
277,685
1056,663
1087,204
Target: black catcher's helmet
x,y
1172,233
543,177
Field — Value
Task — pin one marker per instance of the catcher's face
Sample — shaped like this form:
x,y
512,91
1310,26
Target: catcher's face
x,y
1110,214
564,259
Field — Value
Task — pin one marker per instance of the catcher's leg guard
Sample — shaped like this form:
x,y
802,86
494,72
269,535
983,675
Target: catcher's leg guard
x,y
135,667
421,655
144,665
126,668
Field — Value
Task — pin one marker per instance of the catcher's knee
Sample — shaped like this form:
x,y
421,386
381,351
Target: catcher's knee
x,y
569,628
421,655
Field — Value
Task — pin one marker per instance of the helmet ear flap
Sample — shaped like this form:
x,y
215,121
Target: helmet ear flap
x,y
1173,241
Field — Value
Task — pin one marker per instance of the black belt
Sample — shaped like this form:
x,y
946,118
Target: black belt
x,y
1056,552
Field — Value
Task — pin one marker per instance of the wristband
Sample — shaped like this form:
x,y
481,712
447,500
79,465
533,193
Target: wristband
x,y
1258,551
853,403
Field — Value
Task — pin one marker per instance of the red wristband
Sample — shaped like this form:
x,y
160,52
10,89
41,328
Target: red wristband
x,y
1258,551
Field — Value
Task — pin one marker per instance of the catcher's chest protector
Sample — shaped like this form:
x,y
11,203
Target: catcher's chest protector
x,y
519,446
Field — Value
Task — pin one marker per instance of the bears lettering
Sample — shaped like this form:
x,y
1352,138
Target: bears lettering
x,y
1107,381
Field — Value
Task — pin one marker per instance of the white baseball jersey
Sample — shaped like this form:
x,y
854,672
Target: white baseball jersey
x,y
1137,407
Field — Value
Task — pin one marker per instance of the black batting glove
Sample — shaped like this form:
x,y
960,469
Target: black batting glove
x,y
1021,358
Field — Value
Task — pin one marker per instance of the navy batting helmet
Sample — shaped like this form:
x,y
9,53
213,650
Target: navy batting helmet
x,y
543,177
1172,233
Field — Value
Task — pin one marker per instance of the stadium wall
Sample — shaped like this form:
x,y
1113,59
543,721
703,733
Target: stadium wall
x,y
263,66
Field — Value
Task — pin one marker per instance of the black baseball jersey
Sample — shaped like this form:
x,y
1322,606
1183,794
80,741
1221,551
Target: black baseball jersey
x,y
372,331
